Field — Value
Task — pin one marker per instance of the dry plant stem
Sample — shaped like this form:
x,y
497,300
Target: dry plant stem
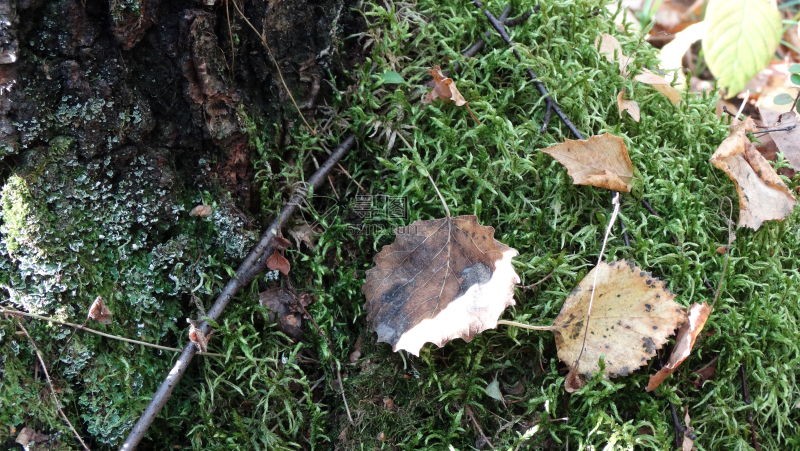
x,y
252,265
50,384
103,334
614,213
471,416
552,106
750,417
680,429
441,198
503,322
263,38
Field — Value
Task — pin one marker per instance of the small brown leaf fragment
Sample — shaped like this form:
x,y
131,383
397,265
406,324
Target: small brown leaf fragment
x,y
441,279
688,433
99,312
201,211
285,309
280,243
660,84
277,262
762,194
687,335
632,316
785,124
444,88
601,161
197,336
29,436
610,48
629,106
304,233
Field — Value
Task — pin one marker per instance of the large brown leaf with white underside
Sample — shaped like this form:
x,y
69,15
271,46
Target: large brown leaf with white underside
x,y
762,194
600,161
687,335
441,279
632,316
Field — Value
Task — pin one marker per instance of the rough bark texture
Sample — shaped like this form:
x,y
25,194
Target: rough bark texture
x,y
116,118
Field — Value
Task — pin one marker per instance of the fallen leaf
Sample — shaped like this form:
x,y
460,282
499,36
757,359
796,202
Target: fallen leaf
x,y
277,262
99,312
629,106
671,55
444,88
688,432
280,243
304,233
286,309
776,116
197,336
610,48
441,279
705,373
660,84
698,314
29,436
632,315
493,391
762,194
601,161
201,211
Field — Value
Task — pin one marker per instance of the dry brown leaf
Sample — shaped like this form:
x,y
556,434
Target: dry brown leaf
x,y
277,262
632,316
762,194
444,88
698,314
601,161
29,436
776,117
304,233
610,48
99,312
286,309
441,279
671,55
201,211
629,106
197,336
688,434
660,84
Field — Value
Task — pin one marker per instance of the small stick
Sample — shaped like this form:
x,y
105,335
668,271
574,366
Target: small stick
x,y
551,104
504,322
50,384
680,429
748,401
650,208
252,265
474,421
478,45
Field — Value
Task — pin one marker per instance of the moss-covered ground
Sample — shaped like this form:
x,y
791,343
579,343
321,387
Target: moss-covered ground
x,y
316,394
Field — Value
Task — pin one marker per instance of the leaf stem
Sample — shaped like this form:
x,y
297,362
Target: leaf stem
x,y
504,322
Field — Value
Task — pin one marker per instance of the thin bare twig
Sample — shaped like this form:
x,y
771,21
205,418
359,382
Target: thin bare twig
x,y
50,384
252,265
552,106
103,334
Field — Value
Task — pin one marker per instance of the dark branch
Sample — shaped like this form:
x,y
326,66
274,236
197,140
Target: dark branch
x,y
552,106
248,270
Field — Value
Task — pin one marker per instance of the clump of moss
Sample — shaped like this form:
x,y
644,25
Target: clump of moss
x,y
115,227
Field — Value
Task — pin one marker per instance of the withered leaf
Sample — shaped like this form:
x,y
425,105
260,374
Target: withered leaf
x,y
660,84
601,161
197,336
441,279
444,88
610,48
201,211
687,335
762,194
286,309
632,315
28,436
304,233
629,106
277,262
99,312
776,117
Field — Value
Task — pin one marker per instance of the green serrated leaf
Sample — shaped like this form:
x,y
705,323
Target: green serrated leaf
x,y
741,39
796,79
783,99
391,77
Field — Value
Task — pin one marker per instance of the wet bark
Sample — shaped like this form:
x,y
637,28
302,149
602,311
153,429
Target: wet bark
x,y
170,77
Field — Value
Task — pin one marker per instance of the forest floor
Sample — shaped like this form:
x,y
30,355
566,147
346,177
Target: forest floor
x,y
334,386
